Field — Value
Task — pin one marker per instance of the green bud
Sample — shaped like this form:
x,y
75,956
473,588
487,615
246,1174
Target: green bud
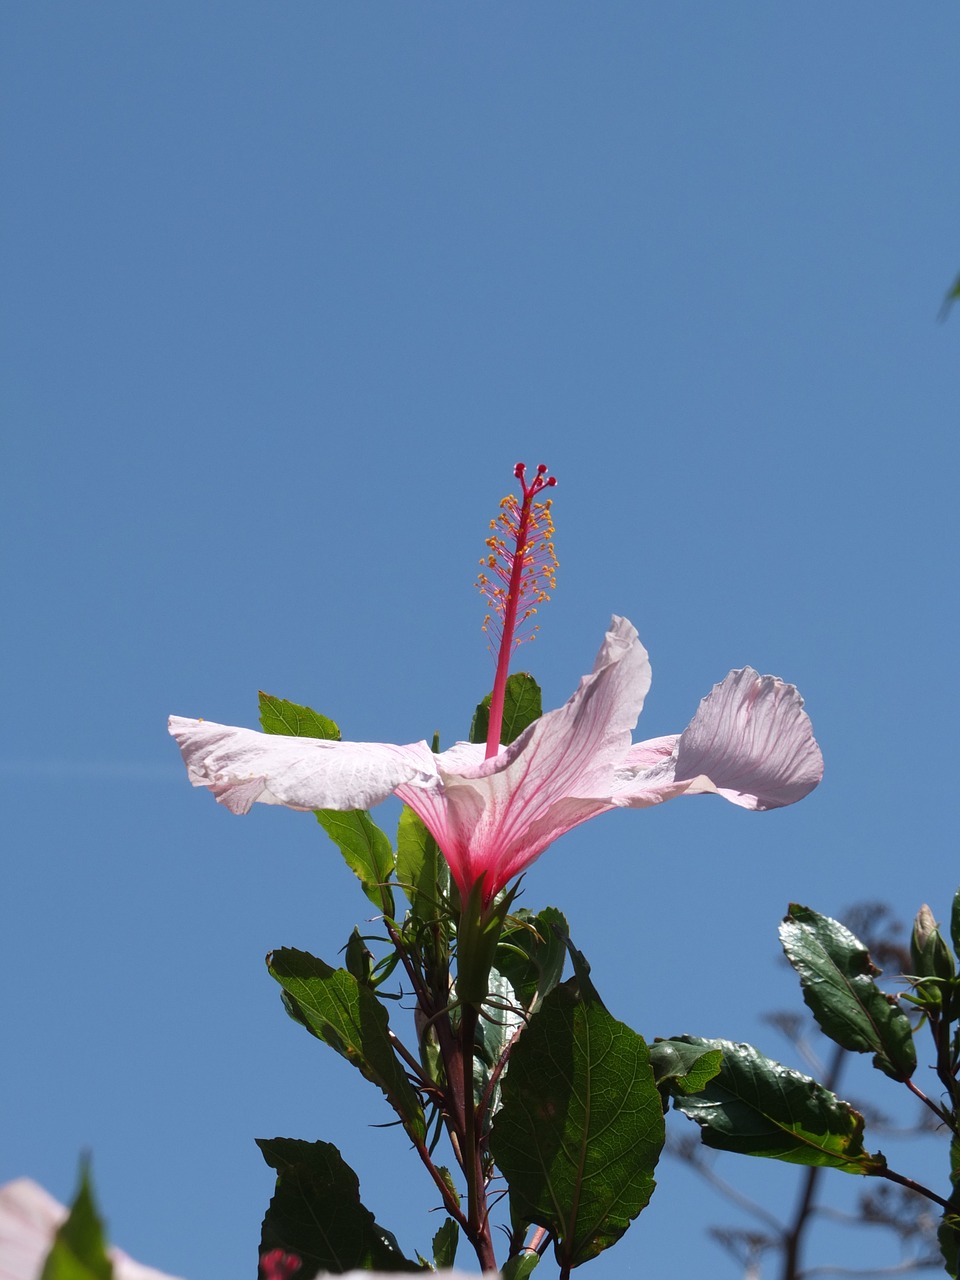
x,y
929,953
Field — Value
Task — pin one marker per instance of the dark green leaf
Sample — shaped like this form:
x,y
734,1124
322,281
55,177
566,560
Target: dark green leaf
x,y
836,974
581,1127
332,1005
316,1213
532,952
520,1267
79,1249
684,1067
365,849
358,958
948,1237
757,1107
418,863
445,1244
279,716
522,704
955,924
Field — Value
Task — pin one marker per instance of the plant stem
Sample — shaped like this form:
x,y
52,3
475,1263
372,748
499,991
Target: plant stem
x,y
478,1224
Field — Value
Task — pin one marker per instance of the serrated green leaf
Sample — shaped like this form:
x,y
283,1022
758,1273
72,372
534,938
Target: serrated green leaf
x,y
522,704
836,974
683,1067
79,1250
531,954
758,1107
581,1126
277,715
421,868
366,851
335,1008
445,1244
317,1214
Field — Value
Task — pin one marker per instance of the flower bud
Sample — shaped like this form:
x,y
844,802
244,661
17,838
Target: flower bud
x,y
929,953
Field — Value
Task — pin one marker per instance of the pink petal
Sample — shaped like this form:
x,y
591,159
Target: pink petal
x,y
242,767
752,738
497,816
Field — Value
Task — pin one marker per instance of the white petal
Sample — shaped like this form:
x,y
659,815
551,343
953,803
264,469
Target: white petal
x,y
242,767
753,739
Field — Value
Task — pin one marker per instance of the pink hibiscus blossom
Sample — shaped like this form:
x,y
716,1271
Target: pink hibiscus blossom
x,y
750,742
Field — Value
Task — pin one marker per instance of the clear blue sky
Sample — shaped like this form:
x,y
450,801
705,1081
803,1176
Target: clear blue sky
x,y
288,289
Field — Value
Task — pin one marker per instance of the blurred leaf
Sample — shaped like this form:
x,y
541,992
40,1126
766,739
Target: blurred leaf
x,y
520,1267
445,1244
581,1127
277,715
684,1067
532,952
316,1213
522,704
836,974
418,862
366,850
952,295
79,1249
757,1107
335,1008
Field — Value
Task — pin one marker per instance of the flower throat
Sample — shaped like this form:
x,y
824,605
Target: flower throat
x,y
523,565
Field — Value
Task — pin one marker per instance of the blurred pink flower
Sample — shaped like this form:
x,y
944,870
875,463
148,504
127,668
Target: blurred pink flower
x,y
750,742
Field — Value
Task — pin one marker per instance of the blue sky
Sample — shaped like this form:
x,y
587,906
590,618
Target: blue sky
x,y
288,291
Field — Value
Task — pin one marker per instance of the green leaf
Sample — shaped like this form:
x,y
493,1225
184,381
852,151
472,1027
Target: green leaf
x,y
316,1213
520,1267
358,958
79,1249
757,1107
955,924
445,1244
522,704
581,1127
532,952
952,295
335,1008
277,715
836,974
366,851
420,865
948,1237
684,1067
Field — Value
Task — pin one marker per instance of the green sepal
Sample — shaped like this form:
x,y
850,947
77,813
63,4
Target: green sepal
x,y
346,1015
445,1244
477,937
366,850
837,977
929,954
681,1067
532,952
316,1213
757,1107
522,705
277,715
79,1250
581,1126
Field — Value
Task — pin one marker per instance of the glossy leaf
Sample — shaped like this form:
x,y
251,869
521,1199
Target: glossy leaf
x,y
757,1107
366,851
684,1067
277,715
581,1126
337,1009
317,1214
522,704
532,953
836,974
79,1250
